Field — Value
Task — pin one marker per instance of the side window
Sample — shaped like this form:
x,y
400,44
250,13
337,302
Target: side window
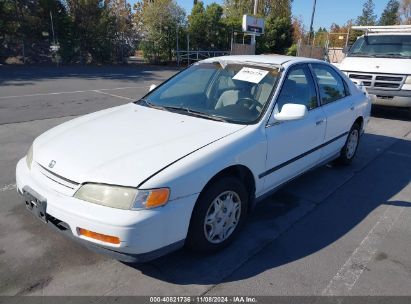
x,y
331,85
299,88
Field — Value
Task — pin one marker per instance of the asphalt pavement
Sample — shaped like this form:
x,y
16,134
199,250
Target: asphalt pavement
x,y
334,231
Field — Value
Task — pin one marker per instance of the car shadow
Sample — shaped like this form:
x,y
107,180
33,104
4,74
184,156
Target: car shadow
x,y
395,113
301,219
26,75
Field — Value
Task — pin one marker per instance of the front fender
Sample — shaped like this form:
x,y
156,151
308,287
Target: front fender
x,y
189,175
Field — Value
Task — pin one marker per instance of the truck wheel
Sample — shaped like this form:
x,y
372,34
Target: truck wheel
x,y
218,215
350,148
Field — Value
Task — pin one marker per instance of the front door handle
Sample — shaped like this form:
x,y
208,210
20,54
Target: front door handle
x,y
319,122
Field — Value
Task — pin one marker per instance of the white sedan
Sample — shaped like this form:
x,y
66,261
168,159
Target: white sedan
x,y
188,161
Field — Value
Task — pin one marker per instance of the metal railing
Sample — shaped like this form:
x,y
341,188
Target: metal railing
x,y
190,56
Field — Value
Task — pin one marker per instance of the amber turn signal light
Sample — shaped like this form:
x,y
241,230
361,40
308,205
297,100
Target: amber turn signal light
x,y
98,236
157,197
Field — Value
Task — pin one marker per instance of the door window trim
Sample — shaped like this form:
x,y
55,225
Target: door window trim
x,y
347,92
310,74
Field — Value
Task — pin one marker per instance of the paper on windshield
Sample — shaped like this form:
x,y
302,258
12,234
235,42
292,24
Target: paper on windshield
x,y
250,75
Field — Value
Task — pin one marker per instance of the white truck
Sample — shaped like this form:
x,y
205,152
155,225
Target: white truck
x,y
380,61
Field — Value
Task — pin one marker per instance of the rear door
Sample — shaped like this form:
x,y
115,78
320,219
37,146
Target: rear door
x,y
338,106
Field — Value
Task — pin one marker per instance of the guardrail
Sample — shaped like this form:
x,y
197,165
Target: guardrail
x,y
198,55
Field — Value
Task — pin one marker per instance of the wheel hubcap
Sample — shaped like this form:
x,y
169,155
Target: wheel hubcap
x,y
222,217
352,143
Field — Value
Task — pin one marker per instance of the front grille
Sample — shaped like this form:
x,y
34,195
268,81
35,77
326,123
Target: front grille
x,y
388,78
60,180
386,85
358,76
379,81
385,97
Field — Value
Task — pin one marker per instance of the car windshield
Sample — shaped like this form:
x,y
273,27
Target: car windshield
x,y
388,46
231,92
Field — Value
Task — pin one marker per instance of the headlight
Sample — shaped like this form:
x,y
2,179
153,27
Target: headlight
x,y
122,197
29,157
408,80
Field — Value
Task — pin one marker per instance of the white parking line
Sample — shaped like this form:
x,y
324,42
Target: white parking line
x,y
348,275
71,92
118,96
8,187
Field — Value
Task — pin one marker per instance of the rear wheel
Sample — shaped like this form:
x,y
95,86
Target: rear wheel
x,y
351,145
218,215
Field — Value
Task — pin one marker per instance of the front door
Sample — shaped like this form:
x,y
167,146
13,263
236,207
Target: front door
x,y
294,146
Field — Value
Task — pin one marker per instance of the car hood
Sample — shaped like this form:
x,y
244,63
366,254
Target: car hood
x,y
376,65
124,145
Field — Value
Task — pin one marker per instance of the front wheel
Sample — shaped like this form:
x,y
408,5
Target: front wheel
x,y
218,215
351,145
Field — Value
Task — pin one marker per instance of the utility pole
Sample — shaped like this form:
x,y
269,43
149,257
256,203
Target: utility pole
x,y
52,27
312,21
255,15
55,46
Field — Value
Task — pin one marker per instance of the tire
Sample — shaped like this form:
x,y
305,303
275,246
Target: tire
x,y
203,237
351,145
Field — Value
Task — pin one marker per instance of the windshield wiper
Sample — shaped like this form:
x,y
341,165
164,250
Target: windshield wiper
x,y
195,113
361,54
394,55
182,109
149,104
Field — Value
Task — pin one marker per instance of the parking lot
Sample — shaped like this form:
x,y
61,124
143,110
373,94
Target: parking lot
x,y
334,231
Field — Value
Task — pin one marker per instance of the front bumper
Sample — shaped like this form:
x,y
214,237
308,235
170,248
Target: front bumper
x,y
144,234
400,98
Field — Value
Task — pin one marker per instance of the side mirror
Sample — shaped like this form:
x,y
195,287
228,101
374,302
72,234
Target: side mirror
x,y
291,111
152,87
346,49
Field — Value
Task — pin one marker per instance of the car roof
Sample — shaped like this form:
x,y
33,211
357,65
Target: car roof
x,y
263,59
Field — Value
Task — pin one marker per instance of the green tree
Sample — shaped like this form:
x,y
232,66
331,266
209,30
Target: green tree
x,y
368,17
390,14
265,8
125,36
235,9
197,27
26,25
277,37
206,27
93,31
321,36
278,34
278,8
86,30
217,34
158,22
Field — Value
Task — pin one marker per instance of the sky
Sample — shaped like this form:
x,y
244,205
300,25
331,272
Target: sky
x,y
327,11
